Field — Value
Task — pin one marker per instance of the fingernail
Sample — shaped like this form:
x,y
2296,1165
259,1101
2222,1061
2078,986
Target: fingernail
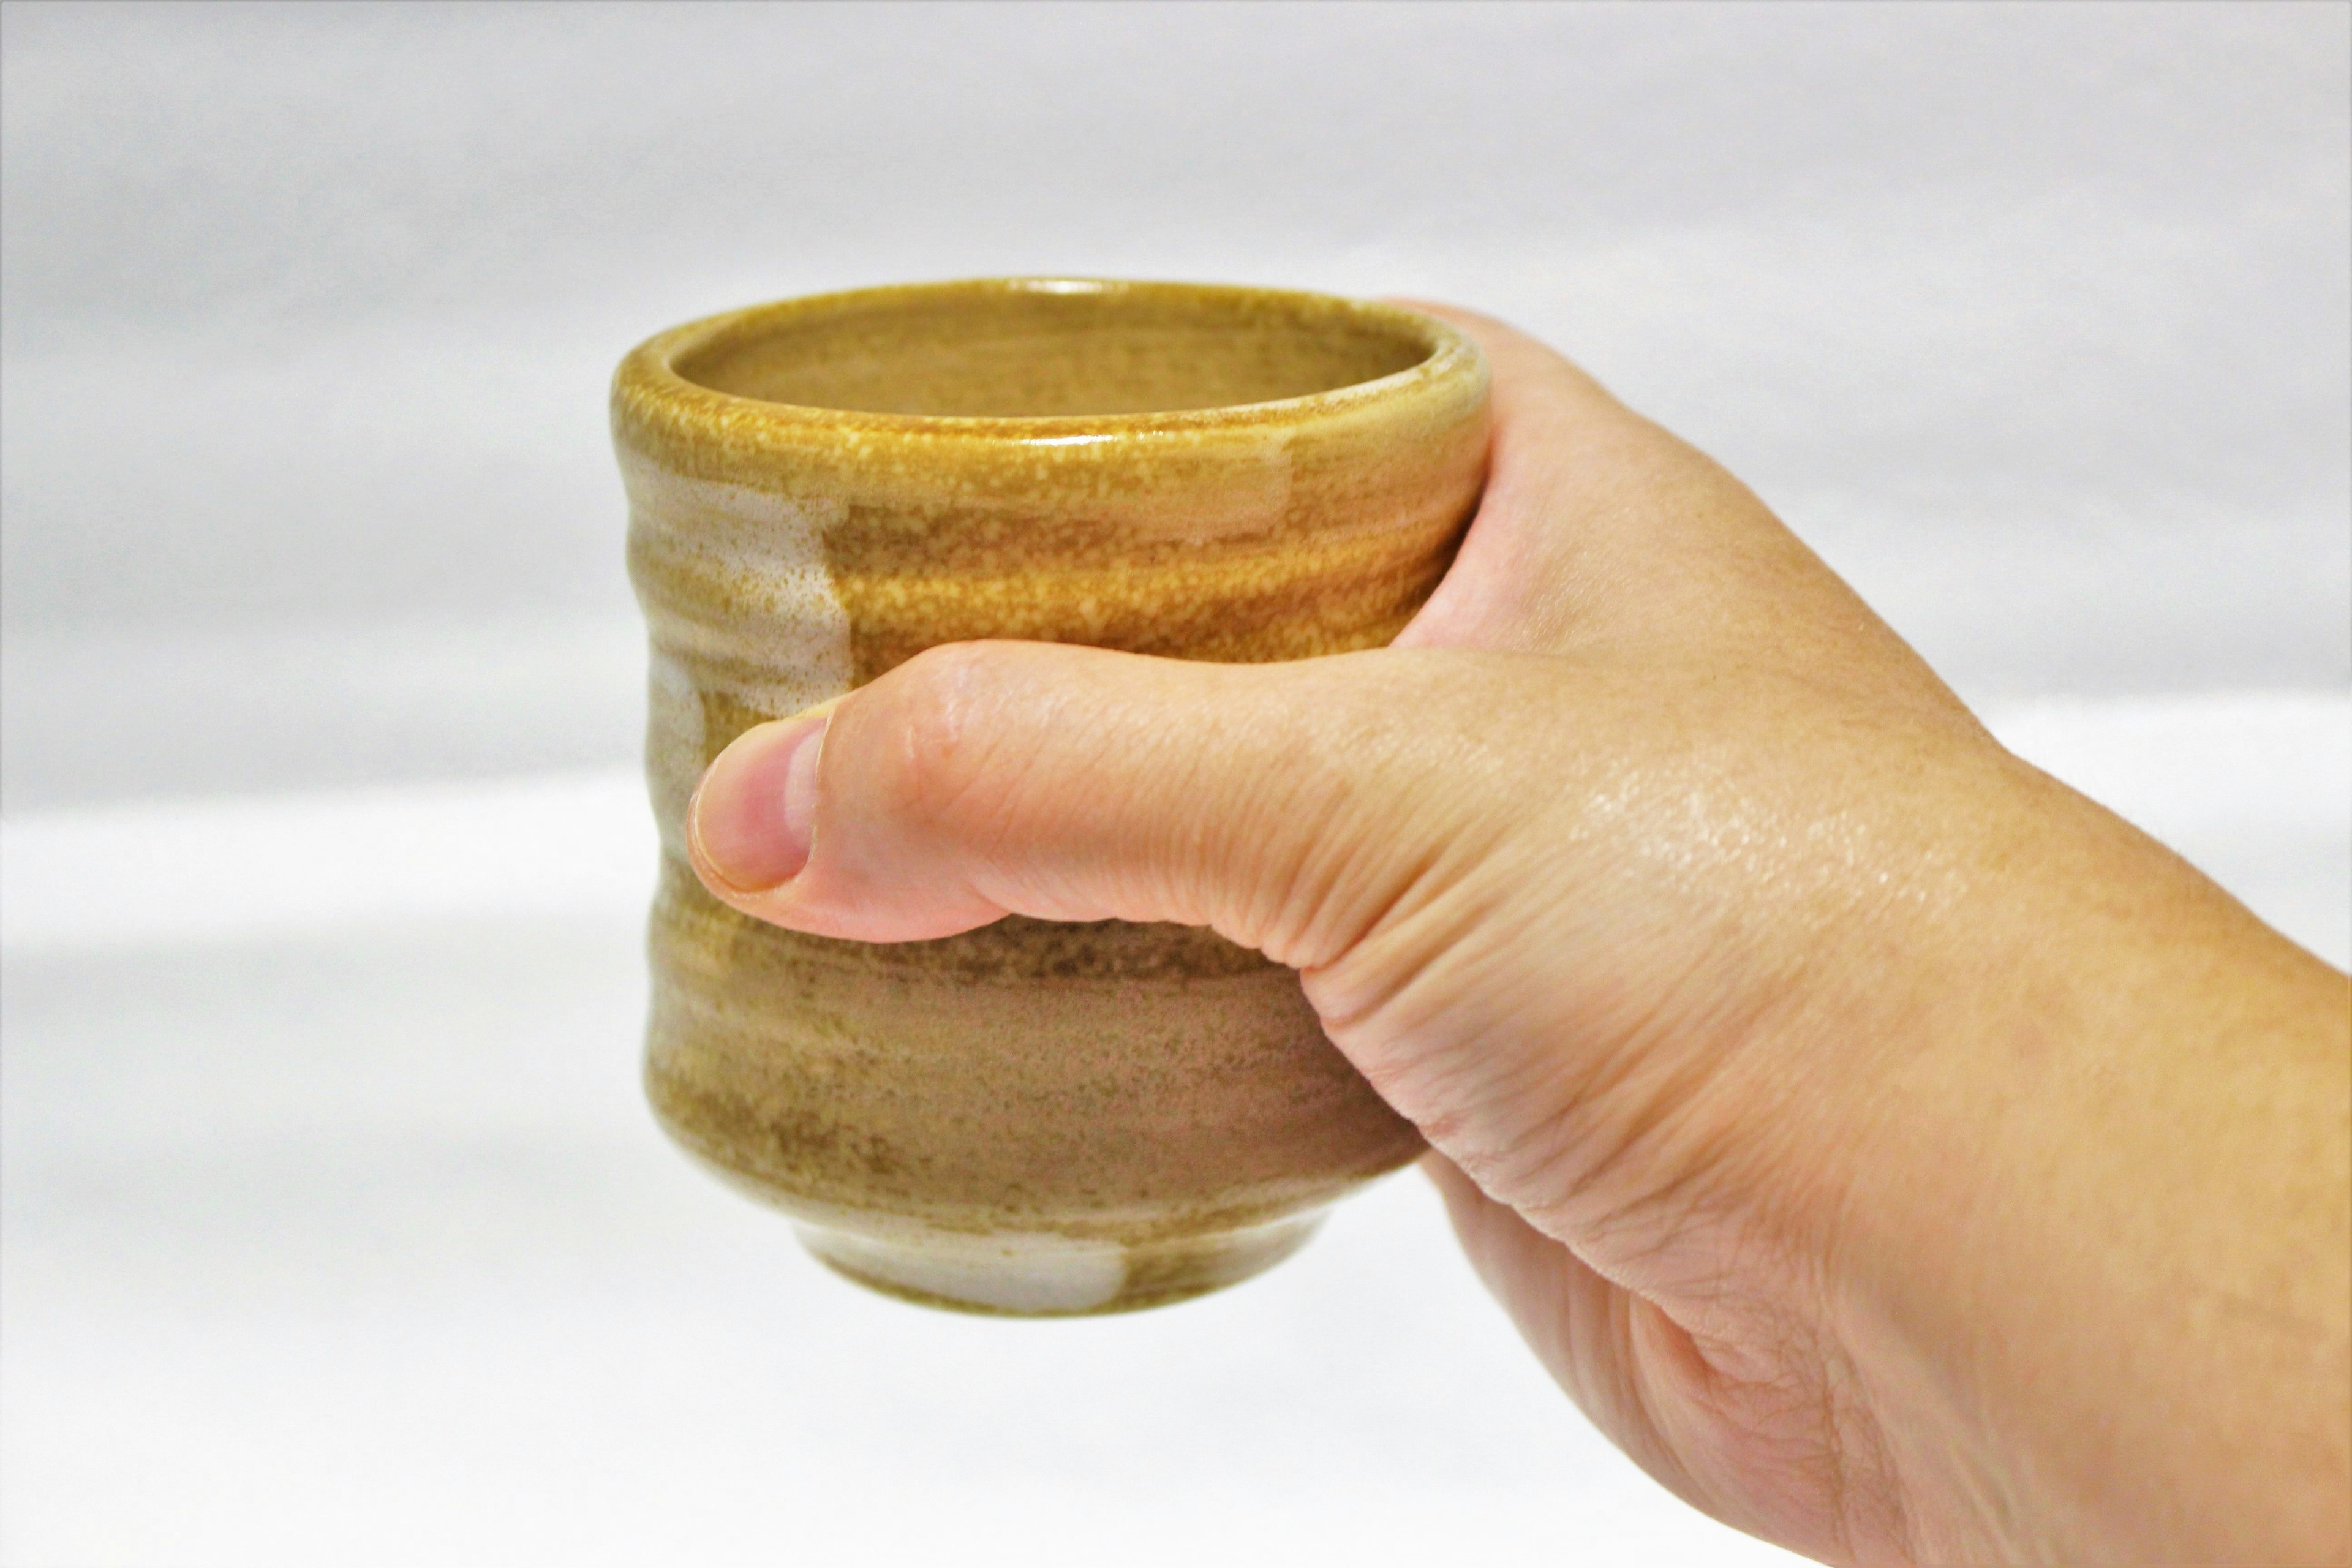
x,y
751,815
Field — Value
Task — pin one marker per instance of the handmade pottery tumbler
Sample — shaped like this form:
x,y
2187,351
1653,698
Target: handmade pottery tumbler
x,y
1032,1118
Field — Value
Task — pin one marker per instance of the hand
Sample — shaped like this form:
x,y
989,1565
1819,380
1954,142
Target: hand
x,y
1898,1155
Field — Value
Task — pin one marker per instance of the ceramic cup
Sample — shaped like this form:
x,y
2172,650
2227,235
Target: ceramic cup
x,y
1033,1118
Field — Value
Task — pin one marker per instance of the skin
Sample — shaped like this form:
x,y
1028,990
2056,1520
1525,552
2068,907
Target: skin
x,y
1900,1157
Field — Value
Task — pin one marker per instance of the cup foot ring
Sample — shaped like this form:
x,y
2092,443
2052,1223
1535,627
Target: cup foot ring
x,y
1017,1274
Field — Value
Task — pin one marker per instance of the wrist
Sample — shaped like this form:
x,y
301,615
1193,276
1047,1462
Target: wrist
x,y
2099,1172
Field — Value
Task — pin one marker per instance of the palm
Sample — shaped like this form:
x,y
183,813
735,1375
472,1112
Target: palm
x,y
1758,1423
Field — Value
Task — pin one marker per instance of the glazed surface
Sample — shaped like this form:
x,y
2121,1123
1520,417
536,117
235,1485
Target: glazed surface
x,y
1108,1083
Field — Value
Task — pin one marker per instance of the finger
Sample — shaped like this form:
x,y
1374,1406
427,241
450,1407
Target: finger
x,y
1532,380
1599,527
1522,572
1282,805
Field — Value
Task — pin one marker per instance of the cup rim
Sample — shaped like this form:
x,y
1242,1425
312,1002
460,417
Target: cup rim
x,y
648,375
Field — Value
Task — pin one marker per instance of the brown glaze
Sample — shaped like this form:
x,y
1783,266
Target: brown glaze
x,y
1032,1117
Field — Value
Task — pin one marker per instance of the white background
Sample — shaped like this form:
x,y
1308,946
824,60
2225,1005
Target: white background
x,y
333,1231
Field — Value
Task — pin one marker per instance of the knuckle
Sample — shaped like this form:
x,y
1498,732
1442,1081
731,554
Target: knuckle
x,y
938,717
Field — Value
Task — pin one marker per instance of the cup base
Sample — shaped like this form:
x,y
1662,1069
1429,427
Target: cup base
x,y
1041,1276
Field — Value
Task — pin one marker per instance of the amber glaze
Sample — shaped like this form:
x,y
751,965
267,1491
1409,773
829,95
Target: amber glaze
x,y
1032,1117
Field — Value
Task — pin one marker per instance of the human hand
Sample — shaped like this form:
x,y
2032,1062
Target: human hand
x,y
1899,1156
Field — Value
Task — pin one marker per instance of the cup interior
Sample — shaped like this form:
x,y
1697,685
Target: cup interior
x,y
1028,348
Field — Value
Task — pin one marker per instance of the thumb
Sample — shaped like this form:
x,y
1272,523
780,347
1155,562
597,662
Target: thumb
x,y
1280,804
